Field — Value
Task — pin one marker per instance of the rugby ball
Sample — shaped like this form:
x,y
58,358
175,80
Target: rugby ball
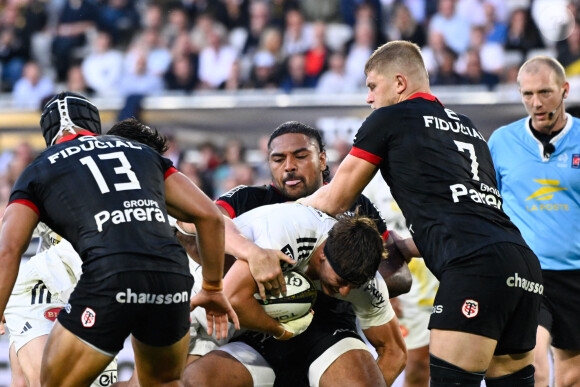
x,y
299,298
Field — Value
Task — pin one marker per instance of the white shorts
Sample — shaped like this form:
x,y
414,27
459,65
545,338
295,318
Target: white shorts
x,y
263,375
31,309
414,329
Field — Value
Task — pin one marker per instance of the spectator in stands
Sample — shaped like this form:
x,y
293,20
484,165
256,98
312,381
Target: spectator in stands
x,y
335,80
454,28
297,35
234,153
13,52
103,67
139,81
475,74
353,10
153,17
495,30
180,76
178,23
327,11
523,34
76,18
296,74
158,55
32,87
404,27
264,73
569,52
316,58
183,72
492,54
216,60
445,74
259,21
433,53
360,49
216,10
121,19
271,41
75,81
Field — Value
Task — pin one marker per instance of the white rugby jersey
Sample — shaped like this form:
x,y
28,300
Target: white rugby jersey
x,y
297,231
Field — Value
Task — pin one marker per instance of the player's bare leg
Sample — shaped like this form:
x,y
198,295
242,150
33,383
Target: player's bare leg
x,y
30,358
160,366
470,352
566,367
67,361
508,364
417,369
353,368
218,369
17,378
541,357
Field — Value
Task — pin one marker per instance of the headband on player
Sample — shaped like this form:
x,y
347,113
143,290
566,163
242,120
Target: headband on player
x,y
67,111
347,275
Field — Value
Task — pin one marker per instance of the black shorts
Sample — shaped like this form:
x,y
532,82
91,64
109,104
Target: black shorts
x,y
333,321
152,306
560,308
496,293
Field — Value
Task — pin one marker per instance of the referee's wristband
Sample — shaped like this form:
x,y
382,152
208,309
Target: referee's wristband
x,y
212,286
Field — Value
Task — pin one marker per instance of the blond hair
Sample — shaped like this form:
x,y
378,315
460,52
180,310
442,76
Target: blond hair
x,y
399,56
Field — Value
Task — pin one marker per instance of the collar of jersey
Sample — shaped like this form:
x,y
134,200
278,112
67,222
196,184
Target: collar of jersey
x,y
73,136
426,96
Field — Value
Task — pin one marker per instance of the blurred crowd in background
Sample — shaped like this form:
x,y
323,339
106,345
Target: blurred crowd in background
x,y
144,47
136,48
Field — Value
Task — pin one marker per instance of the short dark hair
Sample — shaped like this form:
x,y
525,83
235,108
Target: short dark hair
x,y
354,248
301,128
132,129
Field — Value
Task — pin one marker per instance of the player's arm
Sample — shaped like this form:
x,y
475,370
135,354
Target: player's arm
x,y
390,346
18,224
240,288
350,179
394,268
264,263
185,201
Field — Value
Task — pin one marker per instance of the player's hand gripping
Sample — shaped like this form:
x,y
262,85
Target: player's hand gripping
x,y
217,308
295,327
267,272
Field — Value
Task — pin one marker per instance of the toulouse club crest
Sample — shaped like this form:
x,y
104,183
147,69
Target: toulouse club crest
x,y
88,318
470,308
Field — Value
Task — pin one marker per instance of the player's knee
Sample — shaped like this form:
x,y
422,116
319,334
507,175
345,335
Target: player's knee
x,y
521,378
445,374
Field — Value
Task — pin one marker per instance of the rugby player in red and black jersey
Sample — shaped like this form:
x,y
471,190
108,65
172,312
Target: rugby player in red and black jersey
x,y
110,198
441,174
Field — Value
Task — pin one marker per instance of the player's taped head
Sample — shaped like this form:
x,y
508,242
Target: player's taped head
x,y
67,111
354,248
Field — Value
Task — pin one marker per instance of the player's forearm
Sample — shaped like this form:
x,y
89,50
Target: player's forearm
x,y
210,239
8,276
391,362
